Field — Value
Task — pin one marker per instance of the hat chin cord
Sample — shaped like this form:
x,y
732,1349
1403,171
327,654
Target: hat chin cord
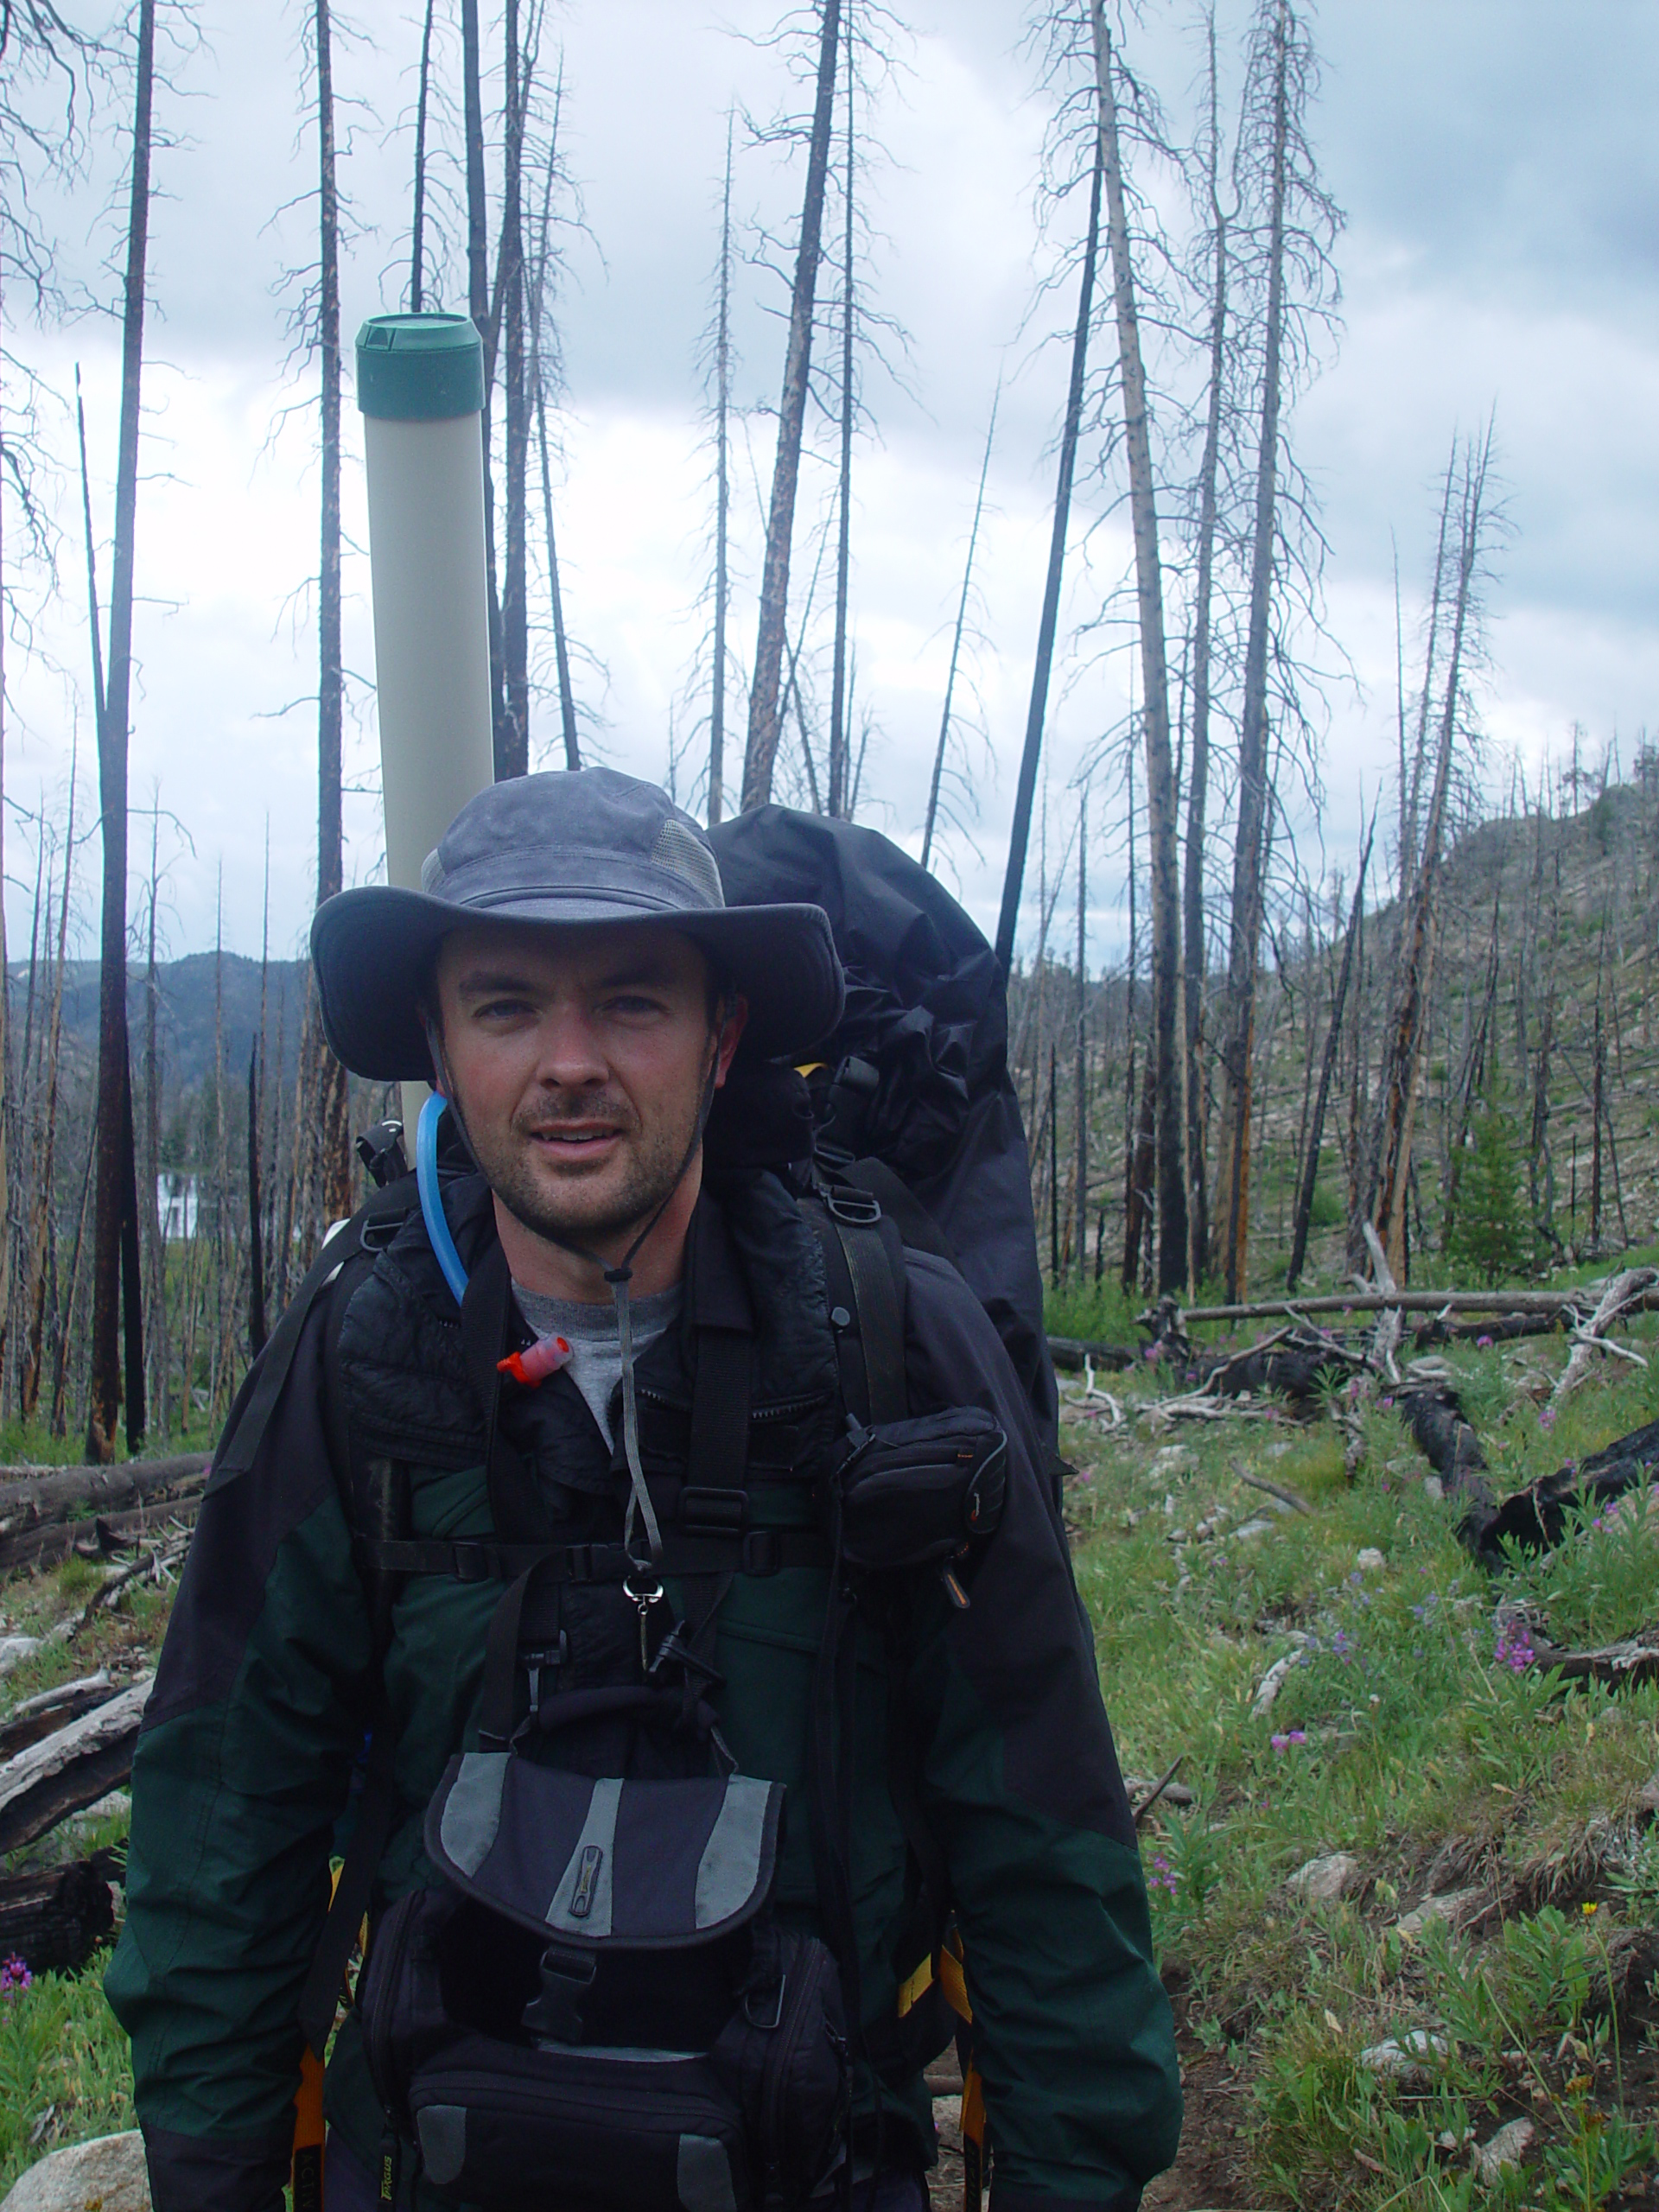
x,y
644,1582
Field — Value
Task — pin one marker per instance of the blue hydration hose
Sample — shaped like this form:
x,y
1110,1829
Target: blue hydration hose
x,y
426,1178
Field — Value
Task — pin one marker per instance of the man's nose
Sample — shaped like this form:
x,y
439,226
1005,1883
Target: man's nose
x,y
569,1057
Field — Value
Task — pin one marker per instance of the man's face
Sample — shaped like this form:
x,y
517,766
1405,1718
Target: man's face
x,y
578,1059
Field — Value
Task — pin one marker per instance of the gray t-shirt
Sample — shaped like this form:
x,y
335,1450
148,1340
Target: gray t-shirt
x,y
595,1339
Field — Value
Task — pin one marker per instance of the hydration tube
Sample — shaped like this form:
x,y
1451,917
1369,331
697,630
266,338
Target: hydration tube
x,y
426,1178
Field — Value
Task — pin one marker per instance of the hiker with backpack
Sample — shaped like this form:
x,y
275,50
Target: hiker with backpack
x,y
635,1559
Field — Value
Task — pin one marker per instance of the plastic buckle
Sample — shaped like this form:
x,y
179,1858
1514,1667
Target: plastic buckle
x,y
536,1663
707,1512
580,1562
858,1209
472,1563
760,1553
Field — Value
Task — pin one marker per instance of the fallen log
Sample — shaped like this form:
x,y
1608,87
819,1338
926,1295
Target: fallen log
x,y
1403,1301
39,1715
29,1495
1536,1517
104,1535
1070,1353
70,1768
53,1918
1620,1666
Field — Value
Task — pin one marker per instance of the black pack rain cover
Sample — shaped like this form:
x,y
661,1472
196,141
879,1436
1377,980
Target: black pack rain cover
x,y
927,1007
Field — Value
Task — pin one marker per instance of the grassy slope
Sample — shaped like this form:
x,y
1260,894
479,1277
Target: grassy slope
x,y
1404,1740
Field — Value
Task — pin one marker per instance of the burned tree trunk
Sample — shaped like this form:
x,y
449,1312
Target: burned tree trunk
x,y
764,717
332,1129
1398,1089
113,719
840,743
477,305
722,500
512,733
956,639
1250,846
1328,1071
1162,866
1195,945
1019,832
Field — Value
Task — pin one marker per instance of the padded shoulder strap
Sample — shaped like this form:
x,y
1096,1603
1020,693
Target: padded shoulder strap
x,y
864,1268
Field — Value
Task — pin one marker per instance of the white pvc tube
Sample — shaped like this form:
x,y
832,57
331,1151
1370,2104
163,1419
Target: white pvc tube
x,y
425,469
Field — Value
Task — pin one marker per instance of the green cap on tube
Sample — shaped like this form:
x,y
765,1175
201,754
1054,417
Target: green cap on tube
x,y
419,368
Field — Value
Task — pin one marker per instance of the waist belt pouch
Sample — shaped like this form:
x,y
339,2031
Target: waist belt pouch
x,y
915,1492
597,2001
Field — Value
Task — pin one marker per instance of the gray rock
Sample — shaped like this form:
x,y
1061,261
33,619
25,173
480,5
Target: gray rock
x,y
1252,1528
14,1649
1455,1906
1399,2056
106,2175
1323,1880
1506,2148
1434,1487
1371,1561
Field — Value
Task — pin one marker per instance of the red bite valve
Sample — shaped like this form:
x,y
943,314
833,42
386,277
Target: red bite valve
x,y
533,1365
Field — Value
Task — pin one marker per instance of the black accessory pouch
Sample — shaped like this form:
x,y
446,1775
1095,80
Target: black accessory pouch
x,y
918,1493
598,2003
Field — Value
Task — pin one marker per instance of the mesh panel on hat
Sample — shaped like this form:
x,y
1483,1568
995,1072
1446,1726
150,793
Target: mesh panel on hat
x,y
684,854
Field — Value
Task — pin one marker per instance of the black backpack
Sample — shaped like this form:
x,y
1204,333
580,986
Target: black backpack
x,y
913,1097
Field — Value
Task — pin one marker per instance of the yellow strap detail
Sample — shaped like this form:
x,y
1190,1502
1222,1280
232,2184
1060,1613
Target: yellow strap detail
x,y
954,1983
308,2129
912,1991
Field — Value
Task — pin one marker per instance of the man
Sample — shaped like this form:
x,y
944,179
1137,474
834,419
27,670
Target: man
x,y
570,977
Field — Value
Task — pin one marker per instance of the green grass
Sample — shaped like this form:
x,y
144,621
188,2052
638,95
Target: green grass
x,y
61,2054
1400,1736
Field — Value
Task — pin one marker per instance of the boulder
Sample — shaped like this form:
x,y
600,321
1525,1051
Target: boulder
x,y
1455,1906
1401,2057
1504,2149
1323,1880
106,2175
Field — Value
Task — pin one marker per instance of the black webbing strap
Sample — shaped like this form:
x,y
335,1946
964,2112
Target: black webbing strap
x,y
375,1806
516,1505
864,1270
467,1559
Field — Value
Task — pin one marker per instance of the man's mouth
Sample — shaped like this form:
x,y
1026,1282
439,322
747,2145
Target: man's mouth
x,y
577,1141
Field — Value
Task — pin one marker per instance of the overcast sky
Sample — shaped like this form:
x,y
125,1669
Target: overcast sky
x,y
1496,162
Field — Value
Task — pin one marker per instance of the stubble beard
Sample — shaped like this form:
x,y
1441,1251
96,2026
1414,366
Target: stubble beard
x,y
583,1207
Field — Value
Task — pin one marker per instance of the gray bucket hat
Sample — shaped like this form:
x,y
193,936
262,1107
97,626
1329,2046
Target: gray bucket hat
x,y
583,845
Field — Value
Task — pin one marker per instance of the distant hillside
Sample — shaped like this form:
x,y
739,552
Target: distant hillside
x,y
188,1021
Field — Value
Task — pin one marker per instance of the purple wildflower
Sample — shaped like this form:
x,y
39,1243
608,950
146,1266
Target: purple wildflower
x,y
1284,1742
14,1976
1514,1647
1153,1351
1546,1417
1162,1877
1483,1343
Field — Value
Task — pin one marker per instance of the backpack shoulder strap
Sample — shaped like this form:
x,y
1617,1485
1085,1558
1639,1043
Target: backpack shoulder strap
x,y
864,1270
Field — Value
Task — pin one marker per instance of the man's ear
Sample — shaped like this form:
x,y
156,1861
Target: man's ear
x,y
731,1027
434,1046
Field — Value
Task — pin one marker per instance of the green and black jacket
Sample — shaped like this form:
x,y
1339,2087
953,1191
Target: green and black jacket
x,y
242,1783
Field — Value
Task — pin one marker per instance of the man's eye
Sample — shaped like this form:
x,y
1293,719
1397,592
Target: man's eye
x,y
503,1009
633,1004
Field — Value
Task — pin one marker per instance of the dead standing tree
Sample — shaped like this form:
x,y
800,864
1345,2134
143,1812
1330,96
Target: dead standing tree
x,y
330,1165
1295,222
765,716
1215,244
114,1089
1163,871
1019,832
1465,545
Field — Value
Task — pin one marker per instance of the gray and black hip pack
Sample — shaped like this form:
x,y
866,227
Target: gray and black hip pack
x,y
599,1993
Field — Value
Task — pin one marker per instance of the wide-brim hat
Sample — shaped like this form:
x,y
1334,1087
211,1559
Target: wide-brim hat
x,y
579,846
